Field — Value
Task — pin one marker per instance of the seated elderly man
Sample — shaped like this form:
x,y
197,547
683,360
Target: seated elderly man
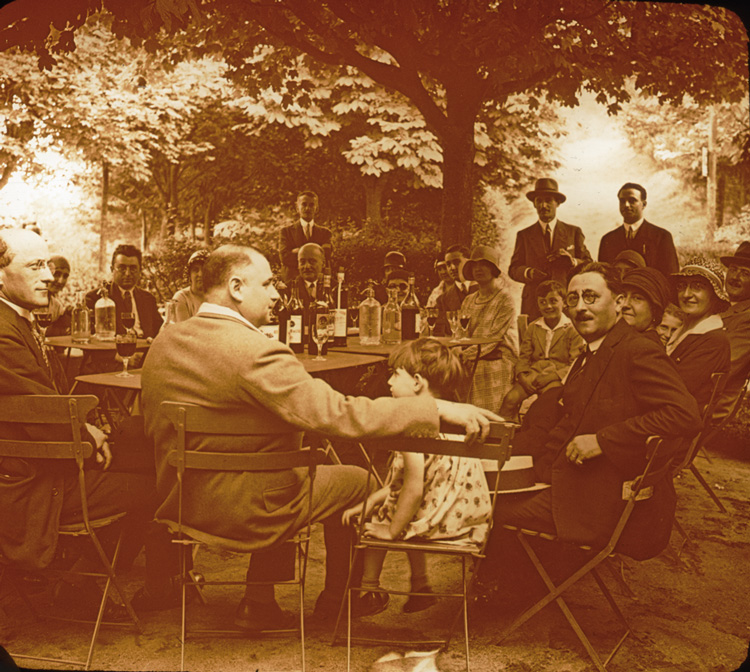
x,y
36,497
736,321
309,283
620,391
221,360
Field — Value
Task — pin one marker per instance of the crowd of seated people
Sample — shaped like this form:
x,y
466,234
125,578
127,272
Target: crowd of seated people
x,y
615,350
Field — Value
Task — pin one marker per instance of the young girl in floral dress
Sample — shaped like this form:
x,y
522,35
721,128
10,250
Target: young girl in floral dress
x,y
425,496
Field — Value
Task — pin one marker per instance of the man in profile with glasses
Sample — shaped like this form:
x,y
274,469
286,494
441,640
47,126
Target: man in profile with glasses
x,y
590,442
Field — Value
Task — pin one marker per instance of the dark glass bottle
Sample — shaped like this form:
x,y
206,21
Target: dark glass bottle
x,y
410,322
341,303
296,327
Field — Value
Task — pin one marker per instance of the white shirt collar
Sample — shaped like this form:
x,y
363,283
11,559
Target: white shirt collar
x,y
216,309
25,314
549,225
564,322
594,345
635,225
705,325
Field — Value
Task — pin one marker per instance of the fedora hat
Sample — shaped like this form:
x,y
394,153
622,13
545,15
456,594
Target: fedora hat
x,y
517,475
481,253
708,269
546,185
740,257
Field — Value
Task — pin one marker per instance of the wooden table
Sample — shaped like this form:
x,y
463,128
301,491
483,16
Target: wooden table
x,y
91,347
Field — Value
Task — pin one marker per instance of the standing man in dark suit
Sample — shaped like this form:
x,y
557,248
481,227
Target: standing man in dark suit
x,y
652,242
547,249
128,297
291,238
620,391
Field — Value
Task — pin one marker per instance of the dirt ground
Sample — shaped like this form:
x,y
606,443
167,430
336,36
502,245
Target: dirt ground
x,y
689,614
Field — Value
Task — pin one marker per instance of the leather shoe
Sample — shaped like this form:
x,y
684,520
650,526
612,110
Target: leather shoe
x,y
169,598
419,602
83,602
262,616
369,604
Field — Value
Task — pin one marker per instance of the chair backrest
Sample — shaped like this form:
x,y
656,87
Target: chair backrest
x,y
523,325
496,448
194,419
717,384
39,409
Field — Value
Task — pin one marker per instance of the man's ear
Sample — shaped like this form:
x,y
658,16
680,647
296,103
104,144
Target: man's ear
x,y
235,288
619,299
420,384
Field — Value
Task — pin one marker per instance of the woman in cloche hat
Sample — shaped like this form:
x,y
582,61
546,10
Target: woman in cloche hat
x,y
188,299
491,312
700,347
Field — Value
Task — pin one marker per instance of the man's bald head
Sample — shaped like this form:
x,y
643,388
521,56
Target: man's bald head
x,y
310,260
24,273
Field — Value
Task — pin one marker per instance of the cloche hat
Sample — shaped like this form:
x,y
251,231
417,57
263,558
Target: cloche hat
x,y
706,268
481,253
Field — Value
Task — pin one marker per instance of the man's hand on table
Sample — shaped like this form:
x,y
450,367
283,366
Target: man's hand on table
x,y
103,453
476,421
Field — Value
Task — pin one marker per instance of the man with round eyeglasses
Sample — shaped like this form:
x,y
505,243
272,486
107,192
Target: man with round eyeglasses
x,y
590,442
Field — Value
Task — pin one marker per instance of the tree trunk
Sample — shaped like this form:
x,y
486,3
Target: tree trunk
x,y
144,231
374,188
172,203
103,216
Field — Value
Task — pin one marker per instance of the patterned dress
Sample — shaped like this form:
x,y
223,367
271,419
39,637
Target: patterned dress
x,y
496,318
455,500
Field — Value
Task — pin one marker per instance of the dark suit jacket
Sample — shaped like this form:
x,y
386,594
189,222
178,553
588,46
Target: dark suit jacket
x,y
293,237
697,357
627,391
652,242
737,323
302,291
145,302
530,252
31,491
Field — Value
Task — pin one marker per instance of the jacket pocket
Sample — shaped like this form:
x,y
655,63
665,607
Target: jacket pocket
x,y
276,498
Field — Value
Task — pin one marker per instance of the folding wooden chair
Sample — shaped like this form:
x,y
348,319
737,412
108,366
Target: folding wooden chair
x,y
495,448
650,476
192,419
688,460
71,411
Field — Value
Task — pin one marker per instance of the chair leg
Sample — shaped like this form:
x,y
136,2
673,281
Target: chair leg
x,y
618,576
683,533
707,487
302,555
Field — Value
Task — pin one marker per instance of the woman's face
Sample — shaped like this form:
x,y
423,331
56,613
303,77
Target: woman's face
x,y
196,279
482,272
694,295
636,310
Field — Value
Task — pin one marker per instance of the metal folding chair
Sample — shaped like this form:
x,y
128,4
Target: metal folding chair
x,y
190,419
707,429
495,448
71,411
648,478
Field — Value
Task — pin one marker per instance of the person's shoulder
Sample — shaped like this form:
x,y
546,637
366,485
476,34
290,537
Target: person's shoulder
x,y
611,234
144,293
656,230
570,227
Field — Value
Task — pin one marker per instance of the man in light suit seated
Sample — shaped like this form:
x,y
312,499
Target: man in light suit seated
x,y
220,359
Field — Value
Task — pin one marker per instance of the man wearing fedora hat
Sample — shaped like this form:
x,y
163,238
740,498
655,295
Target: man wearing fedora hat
x,y
547,249
652,242
737,324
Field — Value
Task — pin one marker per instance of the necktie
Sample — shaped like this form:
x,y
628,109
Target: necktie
x,y
629,233
578,365
311,290
548,239
39,338
127,302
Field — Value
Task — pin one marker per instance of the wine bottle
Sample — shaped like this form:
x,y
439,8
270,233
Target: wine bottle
x,y
341,302
392,319
104,317
296,322
369,318
410,322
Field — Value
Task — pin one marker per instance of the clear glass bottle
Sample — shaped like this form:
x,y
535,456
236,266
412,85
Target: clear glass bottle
x,y
410,322
369,319
392,319
340,299
105,317
323,304
80,320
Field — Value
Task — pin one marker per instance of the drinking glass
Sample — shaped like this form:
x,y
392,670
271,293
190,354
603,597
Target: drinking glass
x,y
432,317
128,320
320,333
170,313
354,317
126,345
452,316
464,319
43,318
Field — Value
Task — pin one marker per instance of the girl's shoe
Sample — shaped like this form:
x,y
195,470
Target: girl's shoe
x,y
370,604
419,602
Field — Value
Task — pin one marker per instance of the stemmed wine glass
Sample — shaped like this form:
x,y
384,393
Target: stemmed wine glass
x,y
43,318
126,345
464,319
128,320
320,333
432,317
354,317
452,316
